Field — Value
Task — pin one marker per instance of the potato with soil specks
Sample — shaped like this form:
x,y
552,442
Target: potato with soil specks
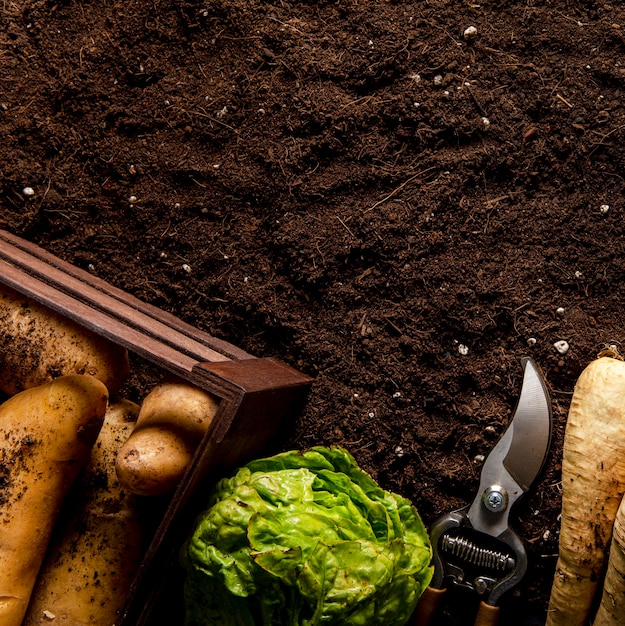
x,y
39,345
46,437
174,417
98,540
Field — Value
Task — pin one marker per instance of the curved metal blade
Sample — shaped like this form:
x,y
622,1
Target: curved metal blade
x,y
515,462
531,426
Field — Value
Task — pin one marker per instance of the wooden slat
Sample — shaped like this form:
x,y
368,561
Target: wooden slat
x,y
102,324
106,309
89,280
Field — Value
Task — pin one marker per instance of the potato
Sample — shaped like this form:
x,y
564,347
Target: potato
x,y
173,418
40,345
153,461
98,542
46,436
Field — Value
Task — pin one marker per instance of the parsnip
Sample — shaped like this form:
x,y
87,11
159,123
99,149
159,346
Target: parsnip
x,y
46,436
612,608
174,417
98,541
40,345
593,483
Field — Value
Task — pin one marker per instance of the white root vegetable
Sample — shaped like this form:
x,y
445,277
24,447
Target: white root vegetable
x,y
593,483
40,345
98,542
46,436
174,417
612,608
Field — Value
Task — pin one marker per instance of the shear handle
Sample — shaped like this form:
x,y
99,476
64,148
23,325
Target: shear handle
x,y
487,615
431,599
428,605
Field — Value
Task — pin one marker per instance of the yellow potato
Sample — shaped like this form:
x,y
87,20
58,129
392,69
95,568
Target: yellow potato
x,y
98,541
174,417
46,436
153,461
39,345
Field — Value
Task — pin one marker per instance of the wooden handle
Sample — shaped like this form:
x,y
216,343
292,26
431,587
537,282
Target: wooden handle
x,y
429,602
487,615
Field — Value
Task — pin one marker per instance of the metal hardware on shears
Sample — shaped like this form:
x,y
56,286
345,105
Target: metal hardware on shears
x,y
474,547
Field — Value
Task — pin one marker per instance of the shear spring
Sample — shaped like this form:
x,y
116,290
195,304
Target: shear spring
x,y
471,553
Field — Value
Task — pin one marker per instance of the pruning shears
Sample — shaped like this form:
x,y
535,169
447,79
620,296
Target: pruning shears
x,y
474,547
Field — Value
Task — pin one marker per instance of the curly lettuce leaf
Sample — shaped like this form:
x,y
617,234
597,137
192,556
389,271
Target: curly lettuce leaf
x,y
304,539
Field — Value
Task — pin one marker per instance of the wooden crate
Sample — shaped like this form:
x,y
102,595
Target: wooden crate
x,y
258,397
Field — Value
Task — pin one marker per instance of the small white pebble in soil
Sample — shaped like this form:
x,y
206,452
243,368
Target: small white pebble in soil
x,y
186,268
438,80
162,255
399,451
177,205
397,394
371,414
485,123
470,33
490,429
132,199
578,274
356,395
604,208
561,346
546,535
479,458
91,267
463,350
560,310
28,191
246,279
49,615
531,341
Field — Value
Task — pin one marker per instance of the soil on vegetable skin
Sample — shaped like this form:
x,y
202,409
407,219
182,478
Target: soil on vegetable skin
x,y
354,188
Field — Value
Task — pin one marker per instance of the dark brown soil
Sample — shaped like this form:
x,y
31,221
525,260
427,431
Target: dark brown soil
x,y
352,187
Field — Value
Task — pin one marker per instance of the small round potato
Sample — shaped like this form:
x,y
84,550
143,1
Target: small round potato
x,y
173,418
153,461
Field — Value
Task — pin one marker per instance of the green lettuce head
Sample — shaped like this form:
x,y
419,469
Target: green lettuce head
x,y
301,539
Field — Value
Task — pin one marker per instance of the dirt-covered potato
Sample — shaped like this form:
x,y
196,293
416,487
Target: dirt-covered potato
x,y
46,437
39,345
173,418
98,542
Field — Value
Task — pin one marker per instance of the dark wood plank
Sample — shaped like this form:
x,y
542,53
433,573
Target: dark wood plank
x,y
38,265
36,252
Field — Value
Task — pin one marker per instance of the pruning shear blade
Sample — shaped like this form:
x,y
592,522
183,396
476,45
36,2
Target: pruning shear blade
x,y
475,547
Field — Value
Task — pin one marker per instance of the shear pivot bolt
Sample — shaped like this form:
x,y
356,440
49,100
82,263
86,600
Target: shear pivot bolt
x,y
495,499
